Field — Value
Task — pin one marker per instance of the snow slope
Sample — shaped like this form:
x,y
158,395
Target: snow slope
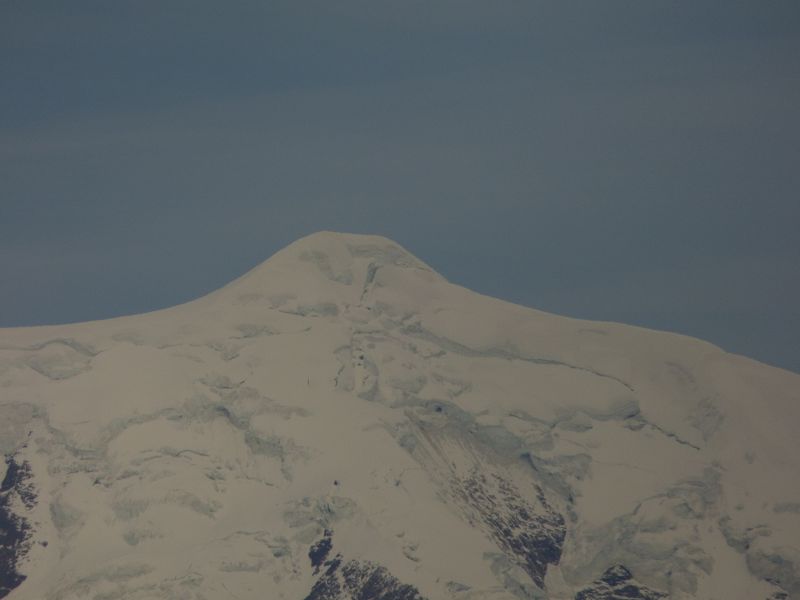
x,y
341,422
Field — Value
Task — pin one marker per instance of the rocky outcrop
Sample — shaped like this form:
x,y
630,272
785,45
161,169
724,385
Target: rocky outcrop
x,y
617,583
16,496
532,536
360,580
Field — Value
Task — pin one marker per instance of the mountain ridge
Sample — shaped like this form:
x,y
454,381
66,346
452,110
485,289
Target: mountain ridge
x,y
310,244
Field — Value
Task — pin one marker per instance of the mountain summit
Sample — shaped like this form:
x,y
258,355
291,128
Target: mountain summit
x,y
341,423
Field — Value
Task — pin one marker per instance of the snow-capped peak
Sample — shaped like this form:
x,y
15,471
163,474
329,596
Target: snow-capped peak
x,y
341,422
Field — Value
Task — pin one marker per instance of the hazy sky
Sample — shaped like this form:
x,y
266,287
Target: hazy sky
x,y
632,161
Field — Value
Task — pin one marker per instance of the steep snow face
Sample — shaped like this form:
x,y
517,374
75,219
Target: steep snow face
x,y
343,423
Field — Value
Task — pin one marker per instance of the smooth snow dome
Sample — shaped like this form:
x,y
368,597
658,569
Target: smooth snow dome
x,y
614,160
342,423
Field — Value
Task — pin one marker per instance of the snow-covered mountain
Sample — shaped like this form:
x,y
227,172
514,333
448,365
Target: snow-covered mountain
x,y
343,423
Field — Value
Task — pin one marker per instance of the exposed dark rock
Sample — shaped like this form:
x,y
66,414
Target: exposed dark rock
x,y
617,583
531,534
616,575
319,551
511,510
359,580
328,586
15,531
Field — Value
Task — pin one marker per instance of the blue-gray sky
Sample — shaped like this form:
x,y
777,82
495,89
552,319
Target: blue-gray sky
x,y
630,161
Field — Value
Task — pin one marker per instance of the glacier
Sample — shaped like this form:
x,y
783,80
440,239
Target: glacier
x,y
342,423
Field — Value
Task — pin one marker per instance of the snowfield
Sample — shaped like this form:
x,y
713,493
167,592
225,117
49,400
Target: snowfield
x,y
342,423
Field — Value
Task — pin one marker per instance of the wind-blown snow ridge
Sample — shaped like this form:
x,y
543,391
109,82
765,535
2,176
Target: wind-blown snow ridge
x,y
343,423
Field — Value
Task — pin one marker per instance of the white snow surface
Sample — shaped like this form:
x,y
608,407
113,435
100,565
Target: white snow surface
x,y
198,452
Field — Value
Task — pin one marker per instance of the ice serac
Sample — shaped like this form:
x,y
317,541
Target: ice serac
x,y
341,423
